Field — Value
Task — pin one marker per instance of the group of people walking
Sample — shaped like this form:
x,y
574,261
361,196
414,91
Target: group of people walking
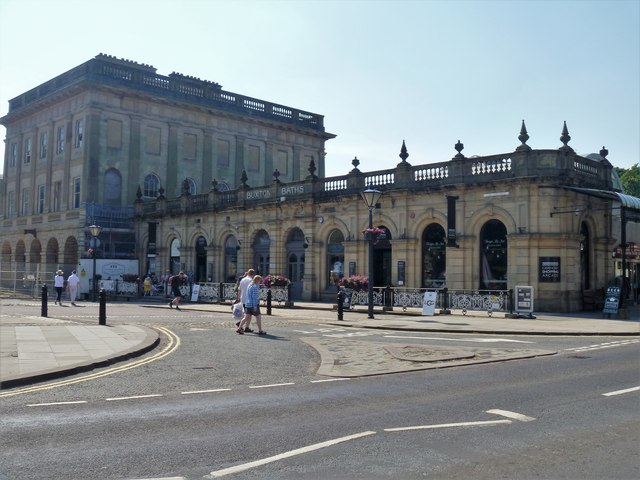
x,y
72,284
249,296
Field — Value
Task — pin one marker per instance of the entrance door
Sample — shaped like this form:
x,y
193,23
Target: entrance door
x,y
382,259
295,262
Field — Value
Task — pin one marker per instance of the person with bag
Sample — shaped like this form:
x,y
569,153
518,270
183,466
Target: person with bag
x,y
241,297
174,283
252,307
58,284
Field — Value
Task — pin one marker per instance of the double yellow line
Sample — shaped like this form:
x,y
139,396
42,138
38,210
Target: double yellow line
x,y
172,346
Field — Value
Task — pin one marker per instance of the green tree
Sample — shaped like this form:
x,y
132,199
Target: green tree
x,y
630,179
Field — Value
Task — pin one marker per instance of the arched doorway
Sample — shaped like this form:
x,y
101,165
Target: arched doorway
x,y
295,262
335,257
52,255
5,264
585,277
71,248
174,256
382,259
493,256
434,257
201,259
20,259
231,247
35,256
261,256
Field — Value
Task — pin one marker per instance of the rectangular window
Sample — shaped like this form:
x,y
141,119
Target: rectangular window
x,y
223,153
79,133
41,193
253,162
26,193
11,204
44,140
60,141
190,146
13,157
76,192
27,151
152,139
57,195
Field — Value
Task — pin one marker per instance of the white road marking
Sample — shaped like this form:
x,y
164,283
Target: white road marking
x,y
600,346
620,392
206,391
477,340
281,456
133,398
514,415
330,380
54,403
161,478
448,425
272,385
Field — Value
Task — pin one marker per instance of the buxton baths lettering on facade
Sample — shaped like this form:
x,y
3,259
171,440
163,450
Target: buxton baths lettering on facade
x,y
284,192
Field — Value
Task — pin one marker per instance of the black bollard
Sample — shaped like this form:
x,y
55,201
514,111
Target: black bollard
x,y
340,304
102,312
44,310
269,302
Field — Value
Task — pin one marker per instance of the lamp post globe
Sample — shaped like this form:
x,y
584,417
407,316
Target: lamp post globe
x,y
370,197
95,232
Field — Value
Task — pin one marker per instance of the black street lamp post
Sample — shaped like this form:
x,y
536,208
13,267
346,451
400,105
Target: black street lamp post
x,y
370,197
95,231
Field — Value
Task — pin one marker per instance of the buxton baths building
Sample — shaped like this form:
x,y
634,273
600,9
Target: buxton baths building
x,y
182,175
549,219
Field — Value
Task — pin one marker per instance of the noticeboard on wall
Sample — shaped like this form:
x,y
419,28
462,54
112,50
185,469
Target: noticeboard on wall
x,y
549,270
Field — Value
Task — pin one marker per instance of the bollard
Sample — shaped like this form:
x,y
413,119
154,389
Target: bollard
x,y
269,302
340,304
44,310
102,312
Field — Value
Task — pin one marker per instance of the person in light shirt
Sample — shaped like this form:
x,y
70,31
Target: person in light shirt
x,y
73,283
58,284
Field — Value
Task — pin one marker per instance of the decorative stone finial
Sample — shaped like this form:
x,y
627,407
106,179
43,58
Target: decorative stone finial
x,y
312,168
523,137
403,153
185,187
139,195
459,147
161,193
604,152
565,138
244,178
355,162
276,176
214,185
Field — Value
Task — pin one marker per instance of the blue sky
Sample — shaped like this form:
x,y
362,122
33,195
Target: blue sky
x,y
427,72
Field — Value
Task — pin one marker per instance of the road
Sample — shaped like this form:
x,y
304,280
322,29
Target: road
x,y
208,403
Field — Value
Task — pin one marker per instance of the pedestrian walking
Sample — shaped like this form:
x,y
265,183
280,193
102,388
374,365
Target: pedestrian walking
x,y
73,282
147,284
252,307
241,296
175,283
58,284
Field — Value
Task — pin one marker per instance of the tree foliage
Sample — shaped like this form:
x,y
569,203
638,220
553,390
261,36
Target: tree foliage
x,y
630,178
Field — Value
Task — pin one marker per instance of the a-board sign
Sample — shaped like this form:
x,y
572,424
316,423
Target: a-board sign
x,y
524,299
612,300
195,293
429,303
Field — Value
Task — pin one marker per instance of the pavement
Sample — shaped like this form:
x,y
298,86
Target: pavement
x,y
35,349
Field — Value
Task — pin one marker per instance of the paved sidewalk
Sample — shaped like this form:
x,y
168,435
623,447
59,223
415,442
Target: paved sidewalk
x,y
34,349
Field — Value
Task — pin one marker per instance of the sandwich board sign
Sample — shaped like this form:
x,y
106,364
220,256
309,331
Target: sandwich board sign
x,y
429,303
612,300
524,299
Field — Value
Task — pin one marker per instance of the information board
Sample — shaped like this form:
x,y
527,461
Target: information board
x,y
524,299
612,300
429,303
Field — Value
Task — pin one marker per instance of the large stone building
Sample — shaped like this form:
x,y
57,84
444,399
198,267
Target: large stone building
x,y
183,175
82,145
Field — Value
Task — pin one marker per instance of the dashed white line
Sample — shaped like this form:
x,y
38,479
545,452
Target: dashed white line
x,y
133,397
514,415
291,453
449,425
475,340
600,346
621,392
273,385
330,380
55,403
195,392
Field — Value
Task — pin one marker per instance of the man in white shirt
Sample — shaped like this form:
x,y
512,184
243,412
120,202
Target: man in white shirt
x,y
73,282
243,286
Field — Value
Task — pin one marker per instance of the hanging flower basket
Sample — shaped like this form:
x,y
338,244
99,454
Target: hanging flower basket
x,y
276,281
356,283
374,233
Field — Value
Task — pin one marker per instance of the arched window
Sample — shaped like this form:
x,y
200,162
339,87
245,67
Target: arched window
x,y
112,187
585,248
335,257
493,256
261,255
192,186
231,247
151,186
434,257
